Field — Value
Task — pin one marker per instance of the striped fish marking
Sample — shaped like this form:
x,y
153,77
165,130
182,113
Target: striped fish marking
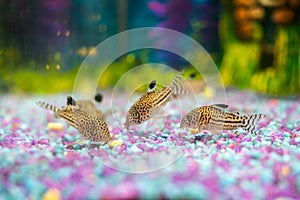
x,y
65,113
153,100
215,117
47,106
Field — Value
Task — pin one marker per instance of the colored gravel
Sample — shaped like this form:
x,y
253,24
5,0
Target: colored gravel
x,y
35,164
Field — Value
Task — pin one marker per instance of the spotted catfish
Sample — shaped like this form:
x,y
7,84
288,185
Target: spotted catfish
x,y
90,126
215,117
153,100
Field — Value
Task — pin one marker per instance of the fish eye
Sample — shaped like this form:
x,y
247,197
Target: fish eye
x,y
135,115
188,118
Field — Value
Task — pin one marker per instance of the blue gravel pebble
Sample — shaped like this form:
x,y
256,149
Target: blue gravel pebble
x,y
297,139
227,181
266,176
134,149
76,146
286,134
290,126
59,149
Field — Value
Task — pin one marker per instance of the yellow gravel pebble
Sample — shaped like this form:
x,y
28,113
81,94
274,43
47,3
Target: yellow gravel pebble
x,y
52,194
115,143
55,126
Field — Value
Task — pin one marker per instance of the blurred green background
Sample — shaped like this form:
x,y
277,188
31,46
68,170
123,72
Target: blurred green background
x,y
255,43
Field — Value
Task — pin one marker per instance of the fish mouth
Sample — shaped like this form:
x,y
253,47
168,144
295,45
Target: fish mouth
x,y
185,125
127,125
182,125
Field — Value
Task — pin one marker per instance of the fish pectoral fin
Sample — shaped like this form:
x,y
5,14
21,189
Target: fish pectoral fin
x,y
159,116
81,141
216,132
158,113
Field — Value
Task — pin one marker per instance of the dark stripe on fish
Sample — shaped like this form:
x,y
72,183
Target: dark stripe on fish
x,y
69,120
163,98
47,106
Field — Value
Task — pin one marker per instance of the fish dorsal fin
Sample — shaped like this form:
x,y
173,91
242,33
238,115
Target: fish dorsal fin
x,y
72,103
98,97
192,75
223,106
152,86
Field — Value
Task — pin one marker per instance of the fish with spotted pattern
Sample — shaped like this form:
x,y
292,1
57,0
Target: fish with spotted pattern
x,y
90,126
153,100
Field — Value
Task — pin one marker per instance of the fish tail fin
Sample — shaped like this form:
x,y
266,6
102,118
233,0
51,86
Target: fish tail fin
x,y
47,106
176,86
249,122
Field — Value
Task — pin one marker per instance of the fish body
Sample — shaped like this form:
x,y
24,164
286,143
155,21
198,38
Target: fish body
x,y
215,117
89,126
153,100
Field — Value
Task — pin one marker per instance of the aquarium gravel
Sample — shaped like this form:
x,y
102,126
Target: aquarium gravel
x,y
153,160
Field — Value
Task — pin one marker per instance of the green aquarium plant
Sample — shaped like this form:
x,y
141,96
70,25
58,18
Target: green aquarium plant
x,y
261,46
